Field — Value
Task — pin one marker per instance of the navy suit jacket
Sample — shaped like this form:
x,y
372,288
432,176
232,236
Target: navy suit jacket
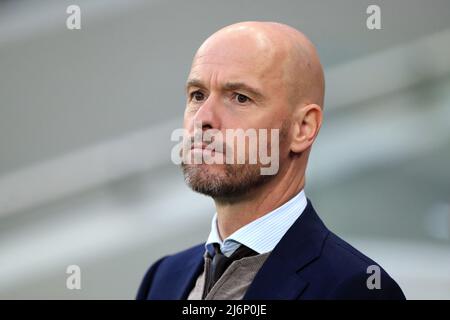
x,y
309,262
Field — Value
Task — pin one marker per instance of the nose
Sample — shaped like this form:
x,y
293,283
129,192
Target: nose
x,y
207,116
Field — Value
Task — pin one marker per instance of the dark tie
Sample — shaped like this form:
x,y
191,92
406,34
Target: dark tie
x,y
220,263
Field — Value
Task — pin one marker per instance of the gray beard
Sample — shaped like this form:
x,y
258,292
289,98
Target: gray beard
x,y
232,184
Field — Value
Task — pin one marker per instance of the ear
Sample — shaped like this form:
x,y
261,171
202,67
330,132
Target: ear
x,y
307,120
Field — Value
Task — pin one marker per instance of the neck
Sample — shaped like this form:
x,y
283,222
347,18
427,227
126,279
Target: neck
x,y
232,216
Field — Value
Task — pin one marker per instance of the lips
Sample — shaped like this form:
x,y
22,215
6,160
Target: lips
x,y
201,146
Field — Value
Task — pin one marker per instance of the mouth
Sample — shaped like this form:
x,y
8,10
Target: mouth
x,y
203,149
201,146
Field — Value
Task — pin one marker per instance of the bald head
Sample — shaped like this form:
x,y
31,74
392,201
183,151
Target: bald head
x,y
274,49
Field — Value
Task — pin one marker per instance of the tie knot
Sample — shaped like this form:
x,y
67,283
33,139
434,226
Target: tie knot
x,y
217,248
241,252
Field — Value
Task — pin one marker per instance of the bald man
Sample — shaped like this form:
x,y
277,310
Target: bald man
x,y
266,240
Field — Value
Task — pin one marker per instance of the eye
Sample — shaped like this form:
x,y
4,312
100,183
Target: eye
x,y
240,98
197,96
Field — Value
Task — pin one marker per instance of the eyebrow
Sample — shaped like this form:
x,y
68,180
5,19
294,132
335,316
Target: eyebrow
x,y
229,86
194,83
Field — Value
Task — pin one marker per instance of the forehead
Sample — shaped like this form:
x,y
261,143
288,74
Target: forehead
x,y
238,56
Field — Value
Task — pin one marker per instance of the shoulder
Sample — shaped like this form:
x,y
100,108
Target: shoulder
x,y
184,255
352,275
166,265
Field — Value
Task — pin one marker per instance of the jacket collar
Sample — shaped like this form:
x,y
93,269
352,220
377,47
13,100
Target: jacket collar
x,y
189,274
279,276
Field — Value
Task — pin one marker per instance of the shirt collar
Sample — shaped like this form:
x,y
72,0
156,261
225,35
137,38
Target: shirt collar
x,y
262,234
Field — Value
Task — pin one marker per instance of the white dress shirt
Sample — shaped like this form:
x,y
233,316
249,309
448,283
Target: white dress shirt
x,y
262,234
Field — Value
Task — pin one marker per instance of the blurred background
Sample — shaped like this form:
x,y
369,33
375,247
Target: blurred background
x,y
86,117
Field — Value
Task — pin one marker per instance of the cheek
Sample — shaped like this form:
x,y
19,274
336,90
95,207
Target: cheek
x,y
187,122
189,113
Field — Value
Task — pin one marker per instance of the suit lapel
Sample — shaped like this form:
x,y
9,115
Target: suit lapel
x,y
188,276
275,281
280,276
